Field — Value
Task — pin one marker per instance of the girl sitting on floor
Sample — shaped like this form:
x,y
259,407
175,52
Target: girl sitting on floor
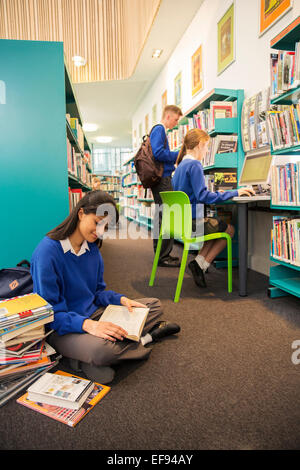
x,y
189,178
67,270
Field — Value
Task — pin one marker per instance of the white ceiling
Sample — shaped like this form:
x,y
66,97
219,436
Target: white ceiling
x,y
111,104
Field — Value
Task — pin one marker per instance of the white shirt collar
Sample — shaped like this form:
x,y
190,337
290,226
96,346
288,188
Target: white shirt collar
x,y
66,246
187,156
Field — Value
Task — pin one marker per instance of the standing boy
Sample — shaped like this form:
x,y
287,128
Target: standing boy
x,y
162,153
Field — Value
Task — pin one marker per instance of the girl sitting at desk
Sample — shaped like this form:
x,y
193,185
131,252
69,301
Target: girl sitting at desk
x,y
189,178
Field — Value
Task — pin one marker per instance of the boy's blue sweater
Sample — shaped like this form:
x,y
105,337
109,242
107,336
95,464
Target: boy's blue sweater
x,y
189,178
161,150
72,284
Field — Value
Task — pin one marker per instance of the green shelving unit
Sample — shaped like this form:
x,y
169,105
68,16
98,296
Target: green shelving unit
x,y
285,277
34,173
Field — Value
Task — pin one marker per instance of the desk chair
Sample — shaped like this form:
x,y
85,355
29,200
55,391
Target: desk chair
x,y
177,223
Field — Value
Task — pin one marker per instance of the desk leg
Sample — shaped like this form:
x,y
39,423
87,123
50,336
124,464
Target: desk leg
x,y
243,248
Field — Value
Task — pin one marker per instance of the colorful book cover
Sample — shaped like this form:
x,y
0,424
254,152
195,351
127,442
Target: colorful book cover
x,y
67,415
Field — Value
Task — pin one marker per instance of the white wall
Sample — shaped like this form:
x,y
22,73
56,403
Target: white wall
x,y
250,72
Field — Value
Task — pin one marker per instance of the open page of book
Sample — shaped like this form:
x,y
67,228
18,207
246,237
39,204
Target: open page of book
x,y
133,322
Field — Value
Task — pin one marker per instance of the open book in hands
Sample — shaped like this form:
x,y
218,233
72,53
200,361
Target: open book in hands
x,y
133,322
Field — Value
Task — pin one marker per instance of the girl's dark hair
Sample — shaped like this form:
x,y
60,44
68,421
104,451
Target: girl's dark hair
x,y
90,203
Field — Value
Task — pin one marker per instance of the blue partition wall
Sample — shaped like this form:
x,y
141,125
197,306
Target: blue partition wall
x,y
33,155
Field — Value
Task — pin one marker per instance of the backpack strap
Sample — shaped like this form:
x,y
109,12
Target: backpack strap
x,y
165,144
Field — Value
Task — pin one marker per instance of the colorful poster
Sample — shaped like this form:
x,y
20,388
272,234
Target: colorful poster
x,y
177,89
154,115
226,48
197,76
164,100
147,124
271,11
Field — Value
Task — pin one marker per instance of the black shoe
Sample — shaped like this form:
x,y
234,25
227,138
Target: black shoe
x,y
173,258
169,263
197,273
162,329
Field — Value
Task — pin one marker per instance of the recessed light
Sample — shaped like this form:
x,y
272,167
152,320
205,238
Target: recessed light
x,y
156,53
104,139
79,61
89,127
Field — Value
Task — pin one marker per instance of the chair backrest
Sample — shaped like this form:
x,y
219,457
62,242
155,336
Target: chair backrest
x,y
177,214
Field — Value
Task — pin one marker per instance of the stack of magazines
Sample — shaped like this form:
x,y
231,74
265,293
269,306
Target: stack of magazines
x,y
24,353
64,397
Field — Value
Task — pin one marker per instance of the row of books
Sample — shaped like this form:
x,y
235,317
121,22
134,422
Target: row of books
x,y
24,352
285,184
285,239
77,165
176,136
285,70
77,130
147,210
221,144
204,119
217,110
131,178
284,126
74,197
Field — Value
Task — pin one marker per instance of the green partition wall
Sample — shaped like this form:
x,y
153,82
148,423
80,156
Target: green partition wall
x,y
33,156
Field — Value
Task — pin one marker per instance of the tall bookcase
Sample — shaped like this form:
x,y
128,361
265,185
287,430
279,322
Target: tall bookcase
x,y
285,277
34,177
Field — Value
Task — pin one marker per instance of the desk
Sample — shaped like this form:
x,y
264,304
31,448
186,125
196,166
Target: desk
x,y
243,202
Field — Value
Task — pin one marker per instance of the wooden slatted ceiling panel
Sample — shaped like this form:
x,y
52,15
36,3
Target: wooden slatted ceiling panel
x,y
110,34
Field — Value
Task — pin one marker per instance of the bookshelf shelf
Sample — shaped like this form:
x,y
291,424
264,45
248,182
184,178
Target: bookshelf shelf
x,y
291,96
225,126
284,263
286,276
224,160
295,150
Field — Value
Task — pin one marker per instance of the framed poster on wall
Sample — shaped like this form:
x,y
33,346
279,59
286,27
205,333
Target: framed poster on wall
x,y
226,40
154,114
271,11
177,90
197,75
164,100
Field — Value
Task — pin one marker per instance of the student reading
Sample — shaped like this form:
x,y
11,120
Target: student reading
x,y
189,178
67,270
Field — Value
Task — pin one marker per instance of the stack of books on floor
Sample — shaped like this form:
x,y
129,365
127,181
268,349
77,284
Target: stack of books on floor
x,y
64,397
24,353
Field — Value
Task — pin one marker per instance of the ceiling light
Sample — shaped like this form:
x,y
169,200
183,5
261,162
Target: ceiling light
x,y
89,127
78,60
104,139
156,53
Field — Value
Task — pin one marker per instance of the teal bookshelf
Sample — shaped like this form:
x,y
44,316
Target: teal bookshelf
x,y
33,134
285,277
34,174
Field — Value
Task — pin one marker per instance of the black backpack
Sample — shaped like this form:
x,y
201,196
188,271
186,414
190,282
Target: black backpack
x,y
148,169
16,281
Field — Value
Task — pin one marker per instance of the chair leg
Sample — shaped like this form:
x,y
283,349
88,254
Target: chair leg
x,y
155,261
181,272
229,263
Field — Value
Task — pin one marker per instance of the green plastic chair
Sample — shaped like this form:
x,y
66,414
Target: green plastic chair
x,y
177,223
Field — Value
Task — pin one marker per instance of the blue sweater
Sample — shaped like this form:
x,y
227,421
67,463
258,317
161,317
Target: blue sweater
x,y
189,178
161,150
72,284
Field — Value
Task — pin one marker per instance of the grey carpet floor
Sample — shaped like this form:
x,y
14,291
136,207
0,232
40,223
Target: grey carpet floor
x,y
226,381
